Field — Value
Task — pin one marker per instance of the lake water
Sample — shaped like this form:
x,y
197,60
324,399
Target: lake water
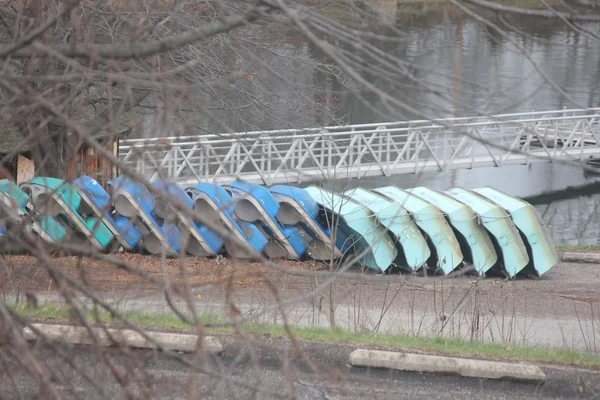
x,y
485,73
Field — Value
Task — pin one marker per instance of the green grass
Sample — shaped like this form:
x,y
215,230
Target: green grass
x,y
443,345
159,320
590,248
317,334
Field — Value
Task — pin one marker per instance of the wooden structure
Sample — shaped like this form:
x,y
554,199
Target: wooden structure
x,y
86,161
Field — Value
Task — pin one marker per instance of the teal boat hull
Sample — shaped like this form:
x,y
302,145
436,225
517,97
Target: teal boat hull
x,y
95,201
17,200
370,239
541,247
499,224
432,222
54,197
414,249
475,241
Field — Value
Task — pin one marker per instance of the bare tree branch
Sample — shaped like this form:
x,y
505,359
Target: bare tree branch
x,y
533,13
137,50
4,52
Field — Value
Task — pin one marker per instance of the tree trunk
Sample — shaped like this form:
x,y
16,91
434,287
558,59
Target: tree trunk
x,y
52,152
54,148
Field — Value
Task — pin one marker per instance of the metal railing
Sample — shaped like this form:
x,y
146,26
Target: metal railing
x,y
354,151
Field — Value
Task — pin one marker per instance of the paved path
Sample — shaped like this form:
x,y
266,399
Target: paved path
x,y
148,375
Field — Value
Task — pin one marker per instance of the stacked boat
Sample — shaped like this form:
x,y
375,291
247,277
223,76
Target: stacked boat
x,y
480,230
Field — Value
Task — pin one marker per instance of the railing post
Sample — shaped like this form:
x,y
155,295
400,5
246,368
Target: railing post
x,y
143,163
417,151
174,161
351,151
204,162
238,159
269,163
139,167
445,163
296,163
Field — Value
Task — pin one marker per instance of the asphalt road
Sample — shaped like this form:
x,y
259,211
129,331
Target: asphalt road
x,y
268,369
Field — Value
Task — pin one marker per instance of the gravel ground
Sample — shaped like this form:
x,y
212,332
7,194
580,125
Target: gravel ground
x,y
560,309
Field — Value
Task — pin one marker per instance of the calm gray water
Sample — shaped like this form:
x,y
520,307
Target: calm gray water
x,y
488,75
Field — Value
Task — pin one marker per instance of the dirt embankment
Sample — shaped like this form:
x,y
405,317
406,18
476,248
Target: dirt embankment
x,y
28,273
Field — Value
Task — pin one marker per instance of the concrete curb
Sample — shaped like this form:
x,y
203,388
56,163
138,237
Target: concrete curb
x,y
107,337
581,257
449,365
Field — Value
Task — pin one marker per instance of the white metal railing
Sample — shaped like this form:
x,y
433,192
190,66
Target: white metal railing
x,y
353,151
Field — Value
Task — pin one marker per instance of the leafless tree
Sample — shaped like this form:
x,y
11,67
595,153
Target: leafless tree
x,y
79,73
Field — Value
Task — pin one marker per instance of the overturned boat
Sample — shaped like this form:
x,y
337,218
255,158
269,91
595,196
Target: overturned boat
x,y
56,198
298,209
507,239
256,204
539,243
358,227
477,247
133,200
16,202
217,206
413,247
95,201
432,222
201,241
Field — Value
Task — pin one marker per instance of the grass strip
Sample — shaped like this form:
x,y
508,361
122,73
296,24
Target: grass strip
x,y
590,248
438,345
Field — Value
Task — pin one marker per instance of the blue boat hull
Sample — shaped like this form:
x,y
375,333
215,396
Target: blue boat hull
x,y
299,210
132,199
96,202
216,205
201,241
255,204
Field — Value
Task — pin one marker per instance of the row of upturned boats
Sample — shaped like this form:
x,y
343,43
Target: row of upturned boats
x,y
483,229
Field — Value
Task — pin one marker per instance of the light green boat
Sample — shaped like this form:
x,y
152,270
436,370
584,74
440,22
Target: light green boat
x,y
476,245
528,221
415,250
500,226
359,226
433,223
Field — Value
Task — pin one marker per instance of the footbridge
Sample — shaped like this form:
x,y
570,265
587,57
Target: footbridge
x,y
357,151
